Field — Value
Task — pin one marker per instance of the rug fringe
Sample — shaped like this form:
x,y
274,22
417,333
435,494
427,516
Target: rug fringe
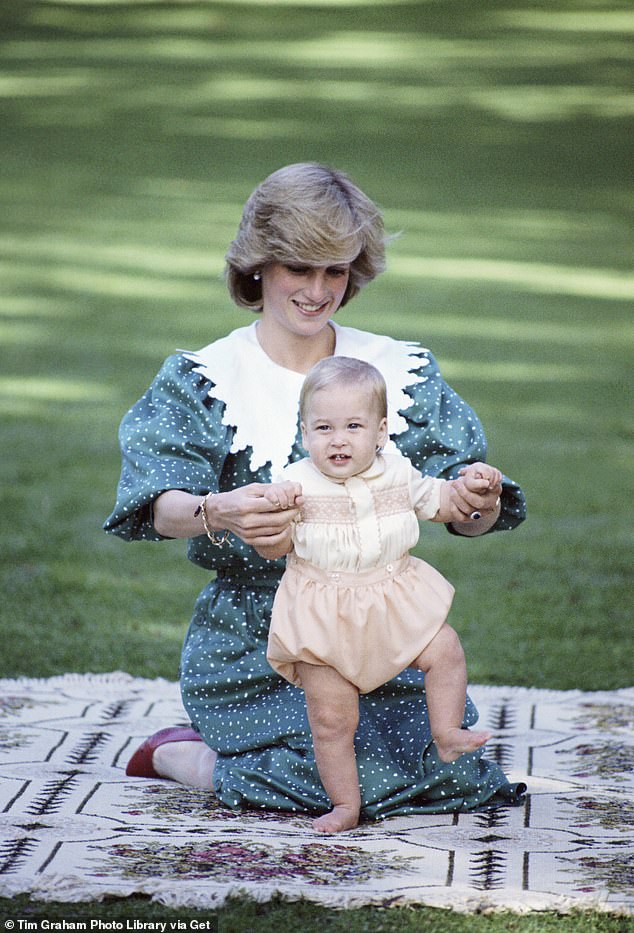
x,y
74,889
114,678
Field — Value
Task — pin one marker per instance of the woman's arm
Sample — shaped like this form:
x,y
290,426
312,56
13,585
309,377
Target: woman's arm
x,y
444,435
245,512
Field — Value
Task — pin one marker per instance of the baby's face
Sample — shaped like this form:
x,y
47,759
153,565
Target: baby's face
x,y
342,431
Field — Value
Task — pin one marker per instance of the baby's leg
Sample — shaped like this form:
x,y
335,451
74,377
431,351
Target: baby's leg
x,y
333,714
443,664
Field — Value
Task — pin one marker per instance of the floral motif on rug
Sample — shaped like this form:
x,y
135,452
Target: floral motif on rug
x,y
313,863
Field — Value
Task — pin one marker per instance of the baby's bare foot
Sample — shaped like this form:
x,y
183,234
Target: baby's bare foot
x,y
338,820
456,742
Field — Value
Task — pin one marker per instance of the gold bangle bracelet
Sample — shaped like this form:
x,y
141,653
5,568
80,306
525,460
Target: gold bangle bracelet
x,y
202,509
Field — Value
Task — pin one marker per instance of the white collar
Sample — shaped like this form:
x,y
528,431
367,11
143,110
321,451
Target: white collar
x,y
261,398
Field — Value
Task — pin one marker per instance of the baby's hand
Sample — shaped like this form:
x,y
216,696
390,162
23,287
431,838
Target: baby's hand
x,y
286,495
479,477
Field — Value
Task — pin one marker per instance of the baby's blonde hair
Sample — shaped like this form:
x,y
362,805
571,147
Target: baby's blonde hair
x,y
305,214
344,371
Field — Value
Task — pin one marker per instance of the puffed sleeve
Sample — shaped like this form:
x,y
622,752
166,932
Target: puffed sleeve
x,y
172,438
424,494
444,434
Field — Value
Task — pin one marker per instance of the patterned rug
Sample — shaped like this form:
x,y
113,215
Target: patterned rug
x,y
74,828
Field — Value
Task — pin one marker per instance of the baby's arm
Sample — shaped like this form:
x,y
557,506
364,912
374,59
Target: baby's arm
x,y
283,496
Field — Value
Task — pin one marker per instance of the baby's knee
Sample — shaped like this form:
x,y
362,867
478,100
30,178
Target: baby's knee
x,y
329,722
449,643
445,646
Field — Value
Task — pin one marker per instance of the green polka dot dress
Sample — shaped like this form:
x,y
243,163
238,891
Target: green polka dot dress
x,y
225,417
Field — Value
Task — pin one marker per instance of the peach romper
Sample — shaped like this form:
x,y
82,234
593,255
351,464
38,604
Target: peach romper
x,y
352,597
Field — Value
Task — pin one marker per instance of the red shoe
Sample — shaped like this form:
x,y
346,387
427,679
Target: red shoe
x,y
140,765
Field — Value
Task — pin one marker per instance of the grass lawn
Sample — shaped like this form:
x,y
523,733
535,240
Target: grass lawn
x,y
497,138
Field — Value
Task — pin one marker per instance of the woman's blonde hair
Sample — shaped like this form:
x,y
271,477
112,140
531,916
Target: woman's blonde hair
x,y
305,214
344,371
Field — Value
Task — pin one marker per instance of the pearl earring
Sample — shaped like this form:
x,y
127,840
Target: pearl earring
x,y
257,276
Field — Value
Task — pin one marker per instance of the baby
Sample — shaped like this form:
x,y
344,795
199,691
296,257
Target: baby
x,y
354,608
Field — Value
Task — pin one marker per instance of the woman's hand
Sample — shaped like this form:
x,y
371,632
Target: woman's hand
x,y
246,512
285,495
471,503
261,515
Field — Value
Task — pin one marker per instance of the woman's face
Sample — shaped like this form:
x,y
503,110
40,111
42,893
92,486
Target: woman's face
x,y
302,299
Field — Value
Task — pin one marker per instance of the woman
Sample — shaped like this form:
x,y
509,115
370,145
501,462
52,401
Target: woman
x,y
197,448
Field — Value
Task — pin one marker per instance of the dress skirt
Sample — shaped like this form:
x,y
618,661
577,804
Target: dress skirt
x,y
369,626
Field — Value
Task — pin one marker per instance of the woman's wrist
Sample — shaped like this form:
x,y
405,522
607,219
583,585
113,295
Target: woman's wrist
x,y
177,514
206,511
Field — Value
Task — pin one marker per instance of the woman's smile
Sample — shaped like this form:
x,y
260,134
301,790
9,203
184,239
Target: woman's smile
x,y
293,295
310,308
